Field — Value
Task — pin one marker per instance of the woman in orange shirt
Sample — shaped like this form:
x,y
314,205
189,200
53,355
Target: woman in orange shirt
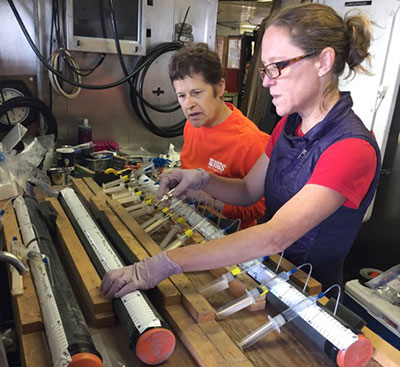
x,y
217,136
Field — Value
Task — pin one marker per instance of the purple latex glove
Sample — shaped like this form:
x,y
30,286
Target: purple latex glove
x,y
145,274
181,180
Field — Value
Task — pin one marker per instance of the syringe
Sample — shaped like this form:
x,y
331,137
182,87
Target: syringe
x,y
222,282
166,215
182,238
144,201
165,197
219,284
250,297
163,212
275,323
175,229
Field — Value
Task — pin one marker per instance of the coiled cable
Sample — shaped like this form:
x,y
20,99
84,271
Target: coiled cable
x,y
56,72
138,102
35,103
54,61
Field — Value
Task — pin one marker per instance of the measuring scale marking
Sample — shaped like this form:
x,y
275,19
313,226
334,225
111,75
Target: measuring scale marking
x,y
56,337
138,309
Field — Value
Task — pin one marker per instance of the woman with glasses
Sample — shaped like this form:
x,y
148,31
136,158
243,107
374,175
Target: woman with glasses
x,y
320,168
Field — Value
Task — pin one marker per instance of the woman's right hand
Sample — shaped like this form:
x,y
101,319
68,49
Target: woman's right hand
x,y
181,180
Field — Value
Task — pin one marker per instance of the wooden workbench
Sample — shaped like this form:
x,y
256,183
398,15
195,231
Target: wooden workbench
x,y
201,340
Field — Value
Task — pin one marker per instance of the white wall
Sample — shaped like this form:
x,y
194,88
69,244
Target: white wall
x,y
385,50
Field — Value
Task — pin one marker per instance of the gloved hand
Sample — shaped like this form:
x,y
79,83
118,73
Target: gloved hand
x,y
145,274
203,198
181,180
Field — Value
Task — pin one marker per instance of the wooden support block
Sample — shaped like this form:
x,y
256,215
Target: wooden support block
x,y
26,308
34,350
165,292
82,189
224,344
93,186
197,306
195,340
299,278
384,353
96,308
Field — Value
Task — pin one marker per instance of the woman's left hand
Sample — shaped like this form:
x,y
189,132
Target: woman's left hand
x,y
145,274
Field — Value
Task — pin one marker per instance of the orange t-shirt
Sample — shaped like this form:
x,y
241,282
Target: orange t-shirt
x,y
229,149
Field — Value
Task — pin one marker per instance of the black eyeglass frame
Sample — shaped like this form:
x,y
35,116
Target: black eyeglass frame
x,y
280,65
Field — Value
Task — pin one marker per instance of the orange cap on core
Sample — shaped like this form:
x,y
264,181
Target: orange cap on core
x,y
85,360
356,355
155,346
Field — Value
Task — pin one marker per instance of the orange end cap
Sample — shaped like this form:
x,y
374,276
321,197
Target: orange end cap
x,y
85,360
357,355
155,346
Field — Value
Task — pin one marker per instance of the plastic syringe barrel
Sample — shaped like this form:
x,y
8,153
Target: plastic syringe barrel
x,y
169,236
74,325
323,344
293,312
274,324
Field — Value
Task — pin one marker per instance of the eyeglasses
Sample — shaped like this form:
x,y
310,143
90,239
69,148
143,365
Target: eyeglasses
x,y
273,70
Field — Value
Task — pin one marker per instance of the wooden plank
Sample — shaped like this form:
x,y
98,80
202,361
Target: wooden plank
x,y
86,282
384,353
165,293
34,350
82,189
224,344
299,278
26,307
199,345
93,186
197,305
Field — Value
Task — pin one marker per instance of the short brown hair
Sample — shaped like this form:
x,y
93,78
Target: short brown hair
x,y
196,58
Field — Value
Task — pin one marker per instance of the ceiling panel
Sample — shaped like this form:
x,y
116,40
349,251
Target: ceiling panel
x,y
240,13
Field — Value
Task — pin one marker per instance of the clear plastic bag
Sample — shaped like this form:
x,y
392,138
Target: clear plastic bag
x,y
387,285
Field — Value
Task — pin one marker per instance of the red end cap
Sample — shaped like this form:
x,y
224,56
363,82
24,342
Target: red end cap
x,y
155,346
357,355
85,360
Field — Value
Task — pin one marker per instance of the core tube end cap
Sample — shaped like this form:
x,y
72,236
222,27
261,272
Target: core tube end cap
x,y
155,346
356,355
85,360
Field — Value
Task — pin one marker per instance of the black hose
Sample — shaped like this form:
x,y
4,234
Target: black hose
x,y
56,72
139,103
34,103
145,62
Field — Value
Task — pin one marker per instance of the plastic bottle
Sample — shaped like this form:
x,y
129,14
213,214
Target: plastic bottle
x,y
4,174
84,132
